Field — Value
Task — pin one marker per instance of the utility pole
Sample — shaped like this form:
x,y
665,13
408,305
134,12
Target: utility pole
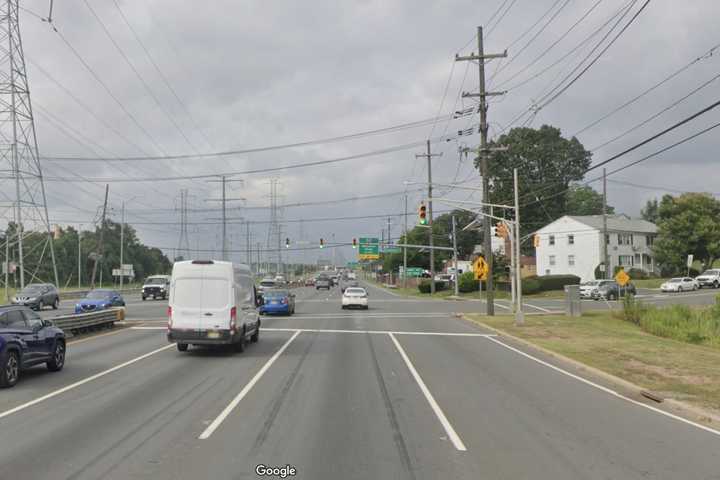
x,y
79,257
483,151
405,240
248,249
122,245
7,264
519,316
605,232
429,157
455,260
99,253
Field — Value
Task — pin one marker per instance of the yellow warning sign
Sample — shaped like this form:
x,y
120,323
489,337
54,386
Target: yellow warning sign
x,y
480,268
622,278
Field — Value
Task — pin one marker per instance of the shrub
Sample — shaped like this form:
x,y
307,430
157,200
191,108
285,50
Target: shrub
x,y
633,309
467,283
531,285
424,286
638,274
557,282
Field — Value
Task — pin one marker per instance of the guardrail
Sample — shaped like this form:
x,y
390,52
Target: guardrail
x,y
73,294
82,322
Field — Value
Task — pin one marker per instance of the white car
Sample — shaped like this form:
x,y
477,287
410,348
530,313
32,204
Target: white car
x,y
355,297
709,278
679,284
591,289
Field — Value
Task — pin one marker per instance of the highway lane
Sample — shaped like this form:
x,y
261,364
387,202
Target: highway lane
x,y
342,403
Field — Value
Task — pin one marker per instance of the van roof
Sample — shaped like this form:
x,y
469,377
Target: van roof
x,y
189,265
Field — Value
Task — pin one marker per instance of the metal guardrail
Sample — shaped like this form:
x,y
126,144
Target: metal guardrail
x,y
77,323
73,294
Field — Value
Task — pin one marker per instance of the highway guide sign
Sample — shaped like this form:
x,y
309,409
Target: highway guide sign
x,y
369,248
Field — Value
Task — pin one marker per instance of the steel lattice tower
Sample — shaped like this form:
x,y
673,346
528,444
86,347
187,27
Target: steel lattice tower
x,y
22,192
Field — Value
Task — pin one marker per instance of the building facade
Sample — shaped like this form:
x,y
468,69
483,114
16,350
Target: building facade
x,y
573,245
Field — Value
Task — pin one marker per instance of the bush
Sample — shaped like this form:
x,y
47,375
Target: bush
x,y
556,282
467,283
638,274
424,286
531,285
633,309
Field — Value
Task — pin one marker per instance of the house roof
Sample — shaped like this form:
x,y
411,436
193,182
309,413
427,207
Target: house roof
x,y
621,223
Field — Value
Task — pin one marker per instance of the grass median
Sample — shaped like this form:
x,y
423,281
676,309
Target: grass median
x,y
674,369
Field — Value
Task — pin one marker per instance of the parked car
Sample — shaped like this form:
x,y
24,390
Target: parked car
x,y
355,297
99,299
590,289
679,284
27,340
613,291
323,282
212,303
156,286
278,301
709,278
37,296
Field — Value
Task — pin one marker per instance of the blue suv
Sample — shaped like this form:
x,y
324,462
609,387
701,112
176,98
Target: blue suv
x,y
27,340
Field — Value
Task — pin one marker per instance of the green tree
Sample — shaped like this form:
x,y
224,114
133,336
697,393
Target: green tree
x,y
650,211
688,224
583,200
547,164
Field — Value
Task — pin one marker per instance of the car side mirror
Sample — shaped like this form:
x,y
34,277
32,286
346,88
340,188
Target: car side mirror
x,y
259,301
47,323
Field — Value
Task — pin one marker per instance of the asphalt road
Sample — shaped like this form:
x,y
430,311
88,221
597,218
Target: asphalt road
x,y
405,390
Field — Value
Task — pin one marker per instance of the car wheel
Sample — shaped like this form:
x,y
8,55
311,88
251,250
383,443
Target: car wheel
x,y
56,303
143,298
154,297
695,287
40,305
57,362
10,369
680,289
716,284
182,347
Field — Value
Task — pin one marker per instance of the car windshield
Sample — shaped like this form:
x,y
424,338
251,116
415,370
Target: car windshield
x,y
98,294
593,283
355,291
155,281
276,294
267,283
676,280
711,272
32,289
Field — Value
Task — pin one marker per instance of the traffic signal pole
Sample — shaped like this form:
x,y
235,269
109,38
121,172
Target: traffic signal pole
x,y
429,157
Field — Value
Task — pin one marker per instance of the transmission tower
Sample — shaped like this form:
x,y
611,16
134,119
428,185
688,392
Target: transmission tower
x,y
274,238
19,153
183,249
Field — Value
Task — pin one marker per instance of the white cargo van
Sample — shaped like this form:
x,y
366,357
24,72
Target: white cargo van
x,y
212,303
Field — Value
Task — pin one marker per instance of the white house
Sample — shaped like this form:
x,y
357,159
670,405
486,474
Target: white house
x,y
573,245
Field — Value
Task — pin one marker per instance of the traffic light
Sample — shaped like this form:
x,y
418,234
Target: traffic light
x,y
536,240
354,243
287,243
422,214
501,230
322,243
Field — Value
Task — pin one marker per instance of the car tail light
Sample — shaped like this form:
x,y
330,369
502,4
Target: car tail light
x,y
284,301
233,318
169,315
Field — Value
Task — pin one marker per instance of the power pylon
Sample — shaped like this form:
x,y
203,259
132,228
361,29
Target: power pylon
x,y
24,202
183,249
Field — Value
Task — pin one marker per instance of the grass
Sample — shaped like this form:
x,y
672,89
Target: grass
x,y
414,292
649,282
672,368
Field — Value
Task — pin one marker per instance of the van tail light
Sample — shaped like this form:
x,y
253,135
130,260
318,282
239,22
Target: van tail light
x,y
169,315
233,319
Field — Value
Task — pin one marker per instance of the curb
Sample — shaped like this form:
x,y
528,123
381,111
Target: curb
x,y
677,407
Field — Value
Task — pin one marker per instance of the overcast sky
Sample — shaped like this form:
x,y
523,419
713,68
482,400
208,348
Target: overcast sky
x,y
255,74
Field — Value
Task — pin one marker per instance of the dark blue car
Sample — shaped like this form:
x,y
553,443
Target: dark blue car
x,y
99,299
278,301
27,340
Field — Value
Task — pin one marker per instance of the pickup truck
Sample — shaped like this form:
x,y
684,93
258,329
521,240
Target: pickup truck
x,y
709,278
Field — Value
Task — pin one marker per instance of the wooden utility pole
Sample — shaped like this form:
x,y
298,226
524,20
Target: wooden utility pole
x,y
483,152
99,253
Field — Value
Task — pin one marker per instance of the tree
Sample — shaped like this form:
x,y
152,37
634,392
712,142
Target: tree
x,y
688,224
547,164
583,200
650,211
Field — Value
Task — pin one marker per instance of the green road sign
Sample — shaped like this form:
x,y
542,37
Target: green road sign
x,y
392,249
369,248
415,271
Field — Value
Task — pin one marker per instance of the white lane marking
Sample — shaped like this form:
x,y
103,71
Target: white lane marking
x,y
604,389
82,382
235,401
373,332
454,437
369,315
537,308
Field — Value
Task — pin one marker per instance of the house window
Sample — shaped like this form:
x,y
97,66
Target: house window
x,y
551,260
571,260
649,240
625,239
552,239
637,259
571,239
625,260
607,239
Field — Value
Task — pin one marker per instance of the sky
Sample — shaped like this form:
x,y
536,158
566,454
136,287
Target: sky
x,y
222,76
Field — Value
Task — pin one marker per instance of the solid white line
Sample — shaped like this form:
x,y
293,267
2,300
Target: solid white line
x,y
454,437
235,401
383,332
605,389
82,382
537,308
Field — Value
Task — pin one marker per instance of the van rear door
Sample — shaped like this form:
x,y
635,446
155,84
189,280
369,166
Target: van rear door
x,y
216,302
187,302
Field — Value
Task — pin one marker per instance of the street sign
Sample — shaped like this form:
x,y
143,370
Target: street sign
x,y
414,272
480,268
369,248
392,249
622,278
690,260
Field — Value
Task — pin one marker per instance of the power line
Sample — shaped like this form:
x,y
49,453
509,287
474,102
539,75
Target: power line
x,y
500,19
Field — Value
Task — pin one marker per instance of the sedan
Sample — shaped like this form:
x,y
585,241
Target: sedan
x,y
27,340
99,299
355,297
613,291
278,301
679,284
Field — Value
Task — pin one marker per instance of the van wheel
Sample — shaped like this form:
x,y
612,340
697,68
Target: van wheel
x,y
240,346
182,347
256,336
